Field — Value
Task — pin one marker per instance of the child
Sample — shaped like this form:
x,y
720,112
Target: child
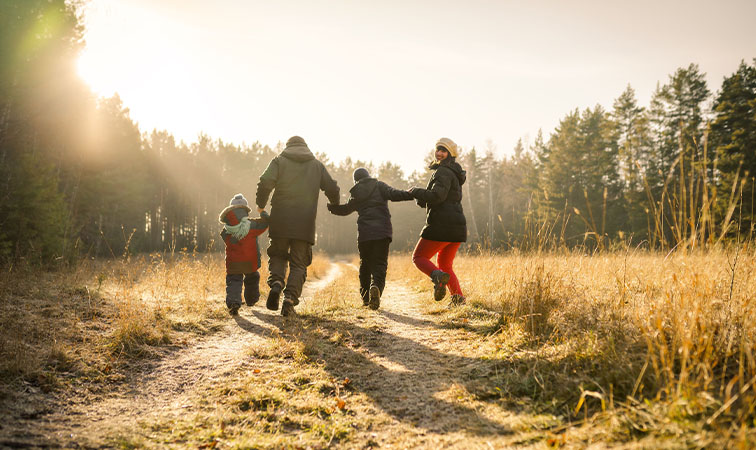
x,y
242,253
369,197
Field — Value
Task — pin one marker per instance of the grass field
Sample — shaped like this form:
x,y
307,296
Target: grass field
x,y
623,349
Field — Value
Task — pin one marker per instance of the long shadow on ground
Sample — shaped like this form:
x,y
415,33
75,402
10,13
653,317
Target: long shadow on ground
x,y
411,387
411,321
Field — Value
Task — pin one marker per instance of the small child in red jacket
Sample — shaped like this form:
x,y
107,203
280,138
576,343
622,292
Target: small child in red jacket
x,y
242,253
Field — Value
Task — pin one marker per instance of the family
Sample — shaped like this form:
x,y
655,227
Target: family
x,y
295,178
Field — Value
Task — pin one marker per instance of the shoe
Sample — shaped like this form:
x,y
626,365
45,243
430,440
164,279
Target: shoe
x,y
375,297
273,296
365,294
234,310
251,301
457,300
287,310
439,279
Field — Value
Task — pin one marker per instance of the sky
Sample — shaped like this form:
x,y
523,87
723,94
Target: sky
x,y
383,80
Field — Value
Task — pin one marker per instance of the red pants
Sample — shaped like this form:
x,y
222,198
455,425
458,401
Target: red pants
x,y
424,251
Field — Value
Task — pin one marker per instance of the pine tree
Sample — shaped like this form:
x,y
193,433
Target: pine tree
x,y
677,165
580,175
733,138
634,150
39,92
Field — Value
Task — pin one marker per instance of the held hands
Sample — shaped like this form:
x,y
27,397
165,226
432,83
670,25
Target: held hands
x,y
416,193
332,207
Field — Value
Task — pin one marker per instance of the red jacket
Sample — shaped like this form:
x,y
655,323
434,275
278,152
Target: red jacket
x,y
242,256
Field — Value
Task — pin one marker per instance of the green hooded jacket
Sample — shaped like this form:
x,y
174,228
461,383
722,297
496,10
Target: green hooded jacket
x,y
296,178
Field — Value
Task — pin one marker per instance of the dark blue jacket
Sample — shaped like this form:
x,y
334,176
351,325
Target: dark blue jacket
x,y
369,197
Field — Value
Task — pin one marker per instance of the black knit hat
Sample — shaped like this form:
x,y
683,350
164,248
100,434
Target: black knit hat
x,y
360,173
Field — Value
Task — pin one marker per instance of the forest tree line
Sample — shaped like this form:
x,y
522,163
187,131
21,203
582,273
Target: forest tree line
x,y
78,177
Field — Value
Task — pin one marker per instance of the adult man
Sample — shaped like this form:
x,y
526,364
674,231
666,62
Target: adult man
x,y
295,177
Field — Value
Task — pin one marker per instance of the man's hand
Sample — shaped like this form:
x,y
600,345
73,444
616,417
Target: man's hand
x,y
259,210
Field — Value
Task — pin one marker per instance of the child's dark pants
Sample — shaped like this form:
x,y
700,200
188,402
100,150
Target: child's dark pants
x,y
251,282
373,265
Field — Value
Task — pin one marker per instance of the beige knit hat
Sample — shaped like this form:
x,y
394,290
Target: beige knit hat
x,y
449,145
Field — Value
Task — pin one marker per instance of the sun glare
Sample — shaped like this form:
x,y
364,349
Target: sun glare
x,y
95,74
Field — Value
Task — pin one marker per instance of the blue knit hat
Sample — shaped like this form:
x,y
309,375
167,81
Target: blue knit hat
x,y
238,200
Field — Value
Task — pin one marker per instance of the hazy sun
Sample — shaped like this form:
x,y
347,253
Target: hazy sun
x,y
98,76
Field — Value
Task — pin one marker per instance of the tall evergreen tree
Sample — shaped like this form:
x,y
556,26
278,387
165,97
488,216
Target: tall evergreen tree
x,y
41,101
677,167
733,137
677,114
580,175
634,151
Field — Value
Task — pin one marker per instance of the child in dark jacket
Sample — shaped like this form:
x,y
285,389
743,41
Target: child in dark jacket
x,y
242,253
369,197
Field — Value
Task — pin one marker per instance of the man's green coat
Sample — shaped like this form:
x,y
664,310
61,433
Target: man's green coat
x,y
296,178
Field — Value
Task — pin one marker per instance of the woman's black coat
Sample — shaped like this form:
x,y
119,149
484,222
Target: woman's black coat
x,y
445,220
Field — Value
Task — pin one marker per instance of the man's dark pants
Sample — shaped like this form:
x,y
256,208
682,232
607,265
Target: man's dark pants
x,y
295,253
251,282
373,265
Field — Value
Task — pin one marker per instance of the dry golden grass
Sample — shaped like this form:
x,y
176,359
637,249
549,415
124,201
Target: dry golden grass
x,y
105,309
624,348
85,319
645,342
51,327
285,398
320,264
264,407
155,295
337,297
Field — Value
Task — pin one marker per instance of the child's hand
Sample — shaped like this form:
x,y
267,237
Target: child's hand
x,y
259,210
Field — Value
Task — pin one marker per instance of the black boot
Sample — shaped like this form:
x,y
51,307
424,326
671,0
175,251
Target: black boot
x,y
250,298
439,278
375,297
288,307
457,300
273,296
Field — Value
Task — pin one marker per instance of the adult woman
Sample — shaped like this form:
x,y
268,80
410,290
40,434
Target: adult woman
x,y
445,225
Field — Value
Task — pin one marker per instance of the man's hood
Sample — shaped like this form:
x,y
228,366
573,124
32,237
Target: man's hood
x,y
297,150
454,166
363,188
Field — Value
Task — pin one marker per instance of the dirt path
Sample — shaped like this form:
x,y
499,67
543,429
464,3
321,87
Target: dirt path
x,y
426,380
421,383
160,391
